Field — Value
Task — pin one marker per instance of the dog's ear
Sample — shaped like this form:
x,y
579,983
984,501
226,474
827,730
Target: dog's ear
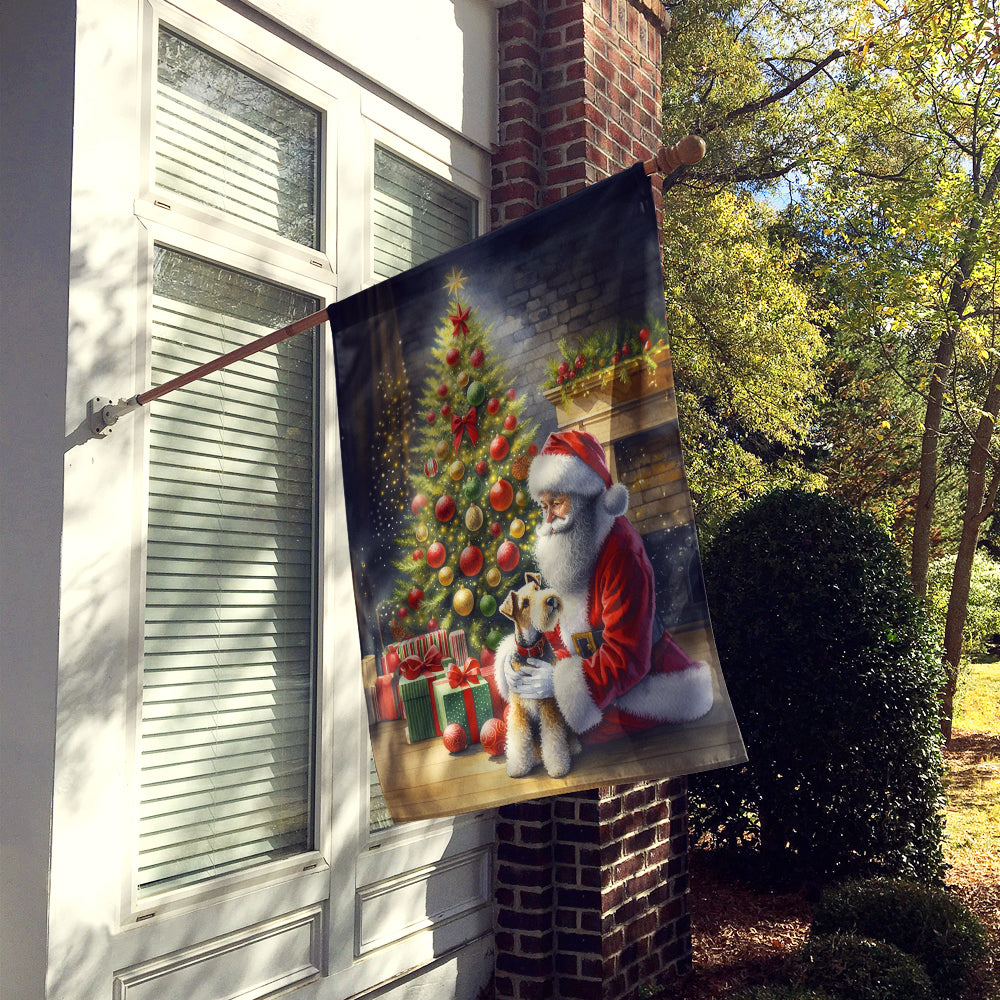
x,y
507,608
553,603
533,578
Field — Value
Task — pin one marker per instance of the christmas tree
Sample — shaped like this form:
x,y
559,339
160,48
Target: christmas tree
x,y
469,528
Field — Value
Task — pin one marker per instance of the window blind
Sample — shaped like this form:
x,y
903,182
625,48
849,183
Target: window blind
x,y
228,140
228,653
415,216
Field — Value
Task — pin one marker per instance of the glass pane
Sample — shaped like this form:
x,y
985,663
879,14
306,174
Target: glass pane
x,y
231,141
228,681
417,216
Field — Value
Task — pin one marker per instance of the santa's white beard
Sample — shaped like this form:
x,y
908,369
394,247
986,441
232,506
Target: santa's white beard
x,y
567,548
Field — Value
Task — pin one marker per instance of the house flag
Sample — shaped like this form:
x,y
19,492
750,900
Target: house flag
x,y
525,568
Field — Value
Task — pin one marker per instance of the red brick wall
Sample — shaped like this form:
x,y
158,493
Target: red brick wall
x,y
591,889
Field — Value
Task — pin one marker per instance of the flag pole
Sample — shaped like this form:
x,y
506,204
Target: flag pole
x,y
103,414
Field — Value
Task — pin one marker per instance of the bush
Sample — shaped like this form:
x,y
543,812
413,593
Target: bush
x,y
856,968
782,993
982,618
833,673
925,922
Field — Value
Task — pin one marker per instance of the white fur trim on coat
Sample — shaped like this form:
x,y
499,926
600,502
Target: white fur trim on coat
x,y
573,696
615,499
678,696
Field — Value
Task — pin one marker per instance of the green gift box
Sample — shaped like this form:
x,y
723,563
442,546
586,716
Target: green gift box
x,y
465,701
422,721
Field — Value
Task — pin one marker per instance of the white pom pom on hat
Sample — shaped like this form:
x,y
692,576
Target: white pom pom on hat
x,y
573,462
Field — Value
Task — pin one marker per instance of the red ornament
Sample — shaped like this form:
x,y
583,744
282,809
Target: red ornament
x,y
532,450
512,394
431,417
493,404
559,381
402,613
433,624
454,738
626,350
563,367
418,554
644,334
430,468
499,447
477,357
580,362
501,495
508,556
649,346
415,598
493,736
436,556
391,659
442,390
444,509
453,356
480,468
419,502
495,529
510,421
445,410
470,562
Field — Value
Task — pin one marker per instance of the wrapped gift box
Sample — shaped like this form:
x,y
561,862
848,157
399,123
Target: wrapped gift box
x,y
422,722
419,645
488,673
463,697
458,647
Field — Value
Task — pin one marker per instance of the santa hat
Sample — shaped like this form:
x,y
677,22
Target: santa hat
x,y
573,462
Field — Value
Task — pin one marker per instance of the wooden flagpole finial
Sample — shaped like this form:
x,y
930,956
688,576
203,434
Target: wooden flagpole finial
x,y
688,151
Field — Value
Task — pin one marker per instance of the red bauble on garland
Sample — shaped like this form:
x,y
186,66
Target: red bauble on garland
x,y
415,598
499,447
436,555
477,358
453,356
508,556
493,404
454,738
493,736
444,509
419,502
510,421
470,562
501,495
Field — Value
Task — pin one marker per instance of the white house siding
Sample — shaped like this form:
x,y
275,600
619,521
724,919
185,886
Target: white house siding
x,y
409,917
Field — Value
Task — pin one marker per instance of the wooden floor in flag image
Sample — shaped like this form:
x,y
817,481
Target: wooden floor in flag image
x,y
424,780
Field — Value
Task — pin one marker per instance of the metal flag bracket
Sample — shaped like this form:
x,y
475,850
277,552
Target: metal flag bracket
x,y
103,413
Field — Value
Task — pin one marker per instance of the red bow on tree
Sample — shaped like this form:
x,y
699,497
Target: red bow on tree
x,y
460,320
461,424
469,671
413,666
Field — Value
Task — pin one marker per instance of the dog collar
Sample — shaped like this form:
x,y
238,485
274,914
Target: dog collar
x,y
535,650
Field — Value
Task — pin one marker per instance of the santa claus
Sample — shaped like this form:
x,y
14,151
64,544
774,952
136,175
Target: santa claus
x,y
616,673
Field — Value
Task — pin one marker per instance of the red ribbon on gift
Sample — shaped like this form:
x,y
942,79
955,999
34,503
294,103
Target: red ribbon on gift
x,y
465,676
467,673
413,666
461,424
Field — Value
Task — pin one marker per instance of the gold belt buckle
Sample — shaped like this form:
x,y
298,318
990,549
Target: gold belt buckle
x,y
584,643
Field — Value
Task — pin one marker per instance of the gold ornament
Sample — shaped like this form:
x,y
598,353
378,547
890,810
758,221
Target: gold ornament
x,y
474,518
492,576
521,499
421,532
441,449
516,528
463,601
456,470
463,379
445,575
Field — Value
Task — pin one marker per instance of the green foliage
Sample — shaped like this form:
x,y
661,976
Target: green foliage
x,y
782,992
926,922
983,610
857,968
833,674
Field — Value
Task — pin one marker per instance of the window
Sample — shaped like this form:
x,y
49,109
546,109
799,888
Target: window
x,y
229,647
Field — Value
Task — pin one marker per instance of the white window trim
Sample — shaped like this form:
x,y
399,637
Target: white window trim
x,y
348,864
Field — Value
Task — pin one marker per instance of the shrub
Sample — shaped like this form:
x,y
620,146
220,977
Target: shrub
x,y
782,993
856,968
925,922
833,673
982,619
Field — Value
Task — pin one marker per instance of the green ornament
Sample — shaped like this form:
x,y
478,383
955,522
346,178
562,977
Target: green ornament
x,y
494,639
472,488
476,393
488,605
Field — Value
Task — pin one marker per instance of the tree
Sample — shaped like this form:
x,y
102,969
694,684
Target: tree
x,y
469,523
